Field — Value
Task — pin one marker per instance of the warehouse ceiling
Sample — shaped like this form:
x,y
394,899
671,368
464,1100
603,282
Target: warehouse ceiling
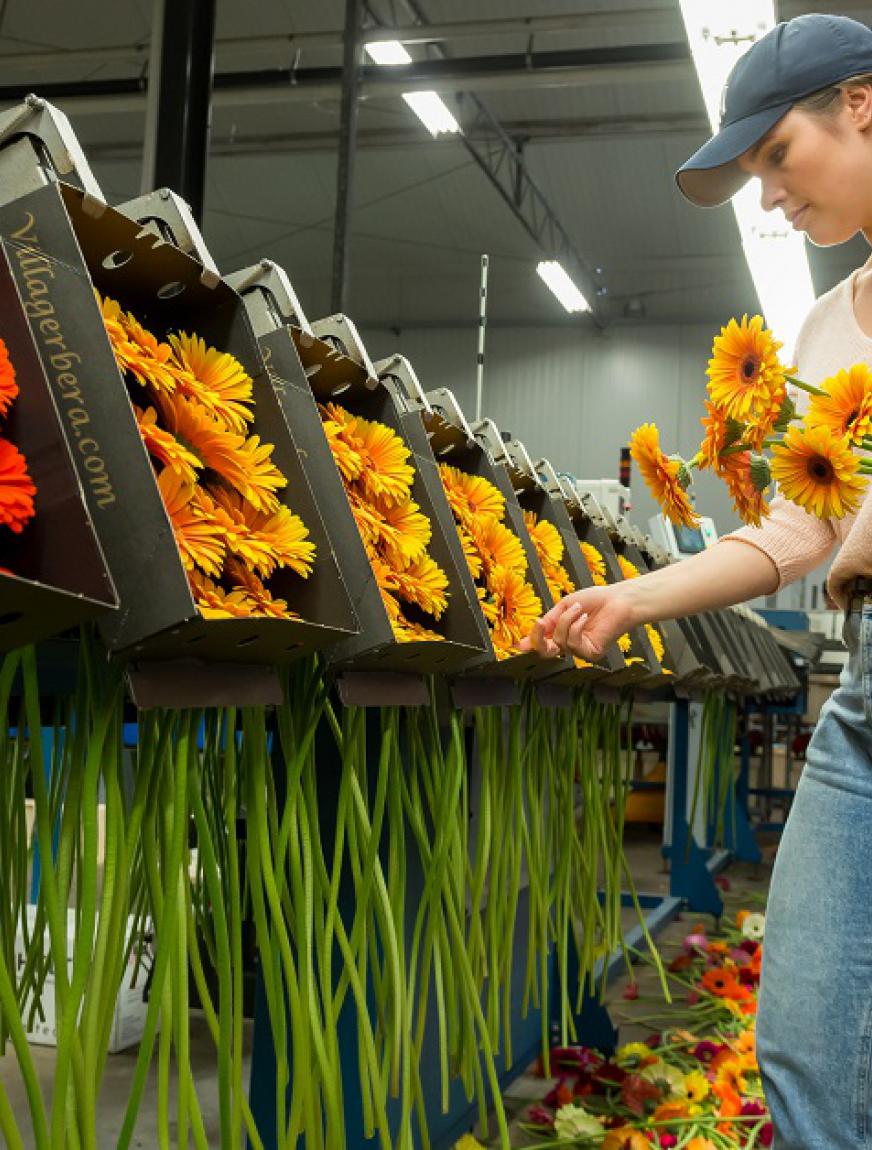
x,y
599,101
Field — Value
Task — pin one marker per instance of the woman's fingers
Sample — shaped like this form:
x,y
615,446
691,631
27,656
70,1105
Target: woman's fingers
x,y
540,642
572,616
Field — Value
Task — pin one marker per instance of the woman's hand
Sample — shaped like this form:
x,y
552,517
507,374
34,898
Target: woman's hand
x,y
582,624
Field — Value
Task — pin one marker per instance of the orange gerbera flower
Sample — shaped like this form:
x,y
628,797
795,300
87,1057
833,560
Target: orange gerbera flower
x,y
245,464
558,580
819,472
661,475
748,499
730,1074
625,1138
846,409
499,546
227,509
667,1111
595,562
744,372
164,446
722,984
200,539
8,385
471,497
216,603
516,606
345,455
730,1100
386,475
262,602
17,489
716,427
628,570
426,584
146,357
216,379
700,1142
546,538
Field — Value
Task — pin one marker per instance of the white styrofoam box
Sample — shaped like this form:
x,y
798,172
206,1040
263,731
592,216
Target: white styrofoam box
x,y
128,1022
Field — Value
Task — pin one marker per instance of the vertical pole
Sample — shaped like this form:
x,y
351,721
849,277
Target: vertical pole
x,y
179,99
347,146
482,324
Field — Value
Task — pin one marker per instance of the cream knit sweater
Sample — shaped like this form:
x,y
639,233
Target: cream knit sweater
x,y
796,542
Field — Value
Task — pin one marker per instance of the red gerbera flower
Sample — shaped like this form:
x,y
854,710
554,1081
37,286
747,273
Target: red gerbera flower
x,y
17,489
8,386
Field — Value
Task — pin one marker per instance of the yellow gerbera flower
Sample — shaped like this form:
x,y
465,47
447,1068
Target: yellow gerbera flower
x,y
471,552
136,350
200,540
345,455
386,474
408,632
499,546
744,372
425,584
628,570
819,472
696,1086
546,538
262,602
214,378
164,446
472,498
226,508
595,562
846,409
245,464
284,536
661,475
405,532
656,640
625,643
558,580
516,607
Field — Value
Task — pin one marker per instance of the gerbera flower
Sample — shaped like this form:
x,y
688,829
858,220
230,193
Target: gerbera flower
x,y
471,497
819,472
405,532
215,379
146,357
17,489
516,607
370,521
346,457
386,474
558,580
546,538
408,632
737,471
426,584
661,475
245,464
656,641
262,602
628,570
227,508
625,643
696,1086
164,446
499,546
283,536
846,409
731,1075
216,603
744,372
8,385
470,551
200,539
595,562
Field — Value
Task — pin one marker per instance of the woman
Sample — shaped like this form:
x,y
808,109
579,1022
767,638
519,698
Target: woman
x,y
798,116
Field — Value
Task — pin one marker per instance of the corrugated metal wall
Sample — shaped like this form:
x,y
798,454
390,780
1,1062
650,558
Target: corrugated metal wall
x,y
575,396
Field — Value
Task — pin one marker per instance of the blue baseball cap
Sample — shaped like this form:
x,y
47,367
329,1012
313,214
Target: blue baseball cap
x,y
793,60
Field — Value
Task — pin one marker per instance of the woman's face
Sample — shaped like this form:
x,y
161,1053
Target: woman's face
x,y
818,170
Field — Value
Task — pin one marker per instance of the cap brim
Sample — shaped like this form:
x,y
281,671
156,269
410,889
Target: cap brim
x,y
712,175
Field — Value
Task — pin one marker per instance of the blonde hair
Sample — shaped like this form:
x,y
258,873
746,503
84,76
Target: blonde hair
x,y
825,101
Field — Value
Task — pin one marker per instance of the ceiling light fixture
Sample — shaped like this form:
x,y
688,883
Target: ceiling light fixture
x,y
718,35
429,107
557,279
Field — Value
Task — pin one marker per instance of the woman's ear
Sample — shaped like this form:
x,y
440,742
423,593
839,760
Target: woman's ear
x,y
858,104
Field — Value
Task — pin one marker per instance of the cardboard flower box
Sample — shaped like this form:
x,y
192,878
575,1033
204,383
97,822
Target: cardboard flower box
x,y
61,244
308,369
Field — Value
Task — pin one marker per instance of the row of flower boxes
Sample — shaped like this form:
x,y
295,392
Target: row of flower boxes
x,y
103,543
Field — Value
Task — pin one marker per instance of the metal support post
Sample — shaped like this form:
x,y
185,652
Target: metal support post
x,y
347,145
179,100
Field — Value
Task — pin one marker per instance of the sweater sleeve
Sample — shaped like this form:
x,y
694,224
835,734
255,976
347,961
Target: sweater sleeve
x,y
795,541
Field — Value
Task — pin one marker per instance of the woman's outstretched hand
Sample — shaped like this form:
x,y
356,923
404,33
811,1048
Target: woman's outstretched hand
x,y
582,624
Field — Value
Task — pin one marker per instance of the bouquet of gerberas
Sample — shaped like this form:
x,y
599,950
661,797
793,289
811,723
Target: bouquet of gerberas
x,y
819,464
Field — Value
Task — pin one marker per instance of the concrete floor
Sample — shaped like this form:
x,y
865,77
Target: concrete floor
x,y
643,850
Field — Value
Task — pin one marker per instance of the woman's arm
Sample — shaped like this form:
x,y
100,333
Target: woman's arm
x,y
585,622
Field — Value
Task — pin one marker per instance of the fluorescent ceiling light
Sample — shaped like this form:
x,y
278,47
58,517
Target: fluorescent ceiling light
x,y
718,35
557,279
388,52
429,107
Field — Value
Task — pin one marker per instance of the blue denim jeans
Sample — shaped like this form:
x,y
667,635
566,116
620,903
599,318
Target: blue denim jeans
x,y
814,1029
